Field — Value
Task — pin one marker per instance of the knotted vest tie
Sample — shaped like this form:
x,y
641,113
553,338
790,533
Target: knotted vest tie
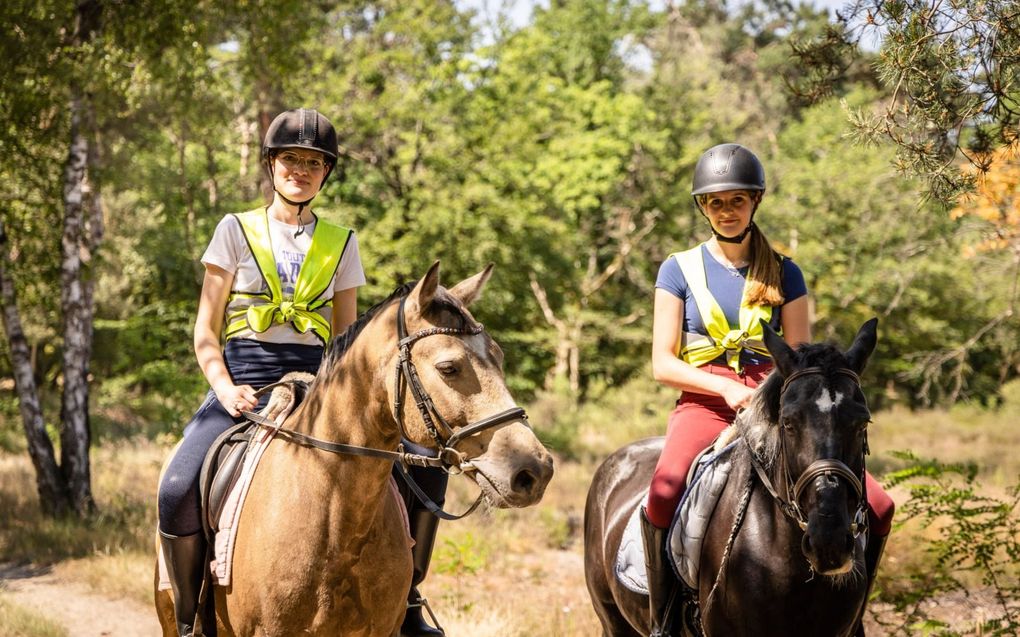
x,y
699,349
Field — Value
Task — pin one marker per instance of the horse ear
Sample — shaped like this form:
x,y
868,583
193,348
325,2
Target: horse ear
x,y
782,354
468,290
863,345
423,293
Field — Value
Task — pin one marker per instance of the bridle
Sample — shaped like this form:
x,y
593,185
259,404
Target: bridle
x,y
828,467
449,458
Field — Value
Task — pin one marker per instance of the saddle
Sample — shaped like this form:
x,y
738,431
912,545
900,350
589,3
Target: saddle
x,y
224,462
707,478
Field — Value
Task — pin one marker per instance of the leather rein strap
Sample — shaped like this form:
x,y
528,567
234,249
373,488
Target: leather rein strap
x,y
448,459
824,467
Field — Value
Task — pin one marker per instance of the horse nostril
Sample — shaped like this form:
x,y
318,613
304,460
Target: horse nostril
x,y
805,544
524,481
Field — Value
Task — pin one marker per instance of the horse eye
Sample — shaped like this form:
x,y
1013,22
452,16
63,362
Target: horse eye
x,y
446,368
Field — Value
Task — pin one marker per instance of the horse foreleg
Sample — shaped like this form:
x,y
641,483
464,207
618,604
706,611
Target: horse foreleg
x,y
614,624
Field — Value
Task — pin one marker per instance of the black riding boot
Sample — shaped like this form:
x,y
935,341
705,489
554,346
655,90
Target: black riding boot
x,y
185,559
661,580
872,556
423,530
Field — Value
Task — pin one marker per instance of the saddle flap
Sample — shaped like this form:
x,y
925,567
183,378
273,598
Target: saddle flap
x,y
220,469
690,524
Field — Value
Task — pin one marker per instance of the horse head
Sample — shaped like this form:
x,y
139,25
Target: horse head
x,y
450,393
815,440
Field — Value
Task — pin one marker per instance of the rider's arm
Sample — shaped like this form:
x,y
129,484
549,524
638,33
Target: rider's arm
x,y
796,326
345,309
211,306
669,370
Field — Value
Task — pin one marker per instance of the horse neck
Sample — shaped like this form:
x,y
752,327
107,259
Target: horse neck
x,y
347,405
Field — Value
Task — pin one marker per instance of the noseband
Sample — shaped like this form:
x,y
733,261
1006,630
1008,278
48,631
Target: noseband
x,y
828,467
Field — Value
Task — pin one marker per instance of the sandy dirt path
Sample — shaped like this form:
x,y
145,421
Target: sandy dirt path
x,y
83,612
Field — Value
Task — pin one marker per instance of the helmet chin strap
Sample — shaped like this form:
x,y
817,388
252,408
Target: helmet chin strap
x,y
300,207
740,237
737,239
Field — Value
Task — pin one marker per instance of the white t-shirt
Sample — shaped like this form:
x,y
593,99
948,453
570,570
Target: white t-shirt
x,y
229,250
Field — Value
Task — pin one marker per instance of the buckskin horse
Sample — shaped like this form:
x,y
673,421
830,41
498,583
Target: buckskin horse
x,y
322,546
782,554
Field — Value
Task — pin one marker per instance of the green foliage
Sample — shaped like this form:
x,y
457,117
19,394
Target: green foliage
x,y
977,536
464,554
562,154
868,247
951,72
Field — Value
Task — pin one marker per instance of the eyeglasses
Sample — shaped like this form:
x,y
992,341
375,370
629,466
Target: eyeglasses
x,y
293,161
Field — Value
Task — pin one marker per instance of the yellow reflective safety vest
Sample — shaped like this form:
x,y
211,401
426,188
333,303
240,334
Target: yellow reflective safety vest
x,y
699,349
259,311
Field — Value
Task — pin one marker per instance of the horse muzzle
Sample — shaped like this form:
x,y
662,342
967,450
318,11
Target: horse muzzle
x,y
830,538
514,470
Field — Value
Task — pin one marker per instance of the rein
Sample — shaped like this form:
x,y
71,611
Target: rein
x,y
448,459
828,467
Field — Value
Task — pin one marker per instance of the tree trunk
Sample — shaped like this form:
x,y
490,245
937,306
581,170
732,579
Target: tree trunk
x,y
76,303
53,493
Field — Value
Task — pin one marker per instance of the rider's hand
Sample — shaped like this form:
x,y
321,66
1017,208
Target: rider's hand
x,y
737,395
236,398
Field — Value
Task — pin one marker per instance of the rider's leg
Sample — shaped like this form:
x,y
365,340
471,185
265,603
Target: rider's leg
x,y
880,514
694,424
692,427
180,526
252,363
424,525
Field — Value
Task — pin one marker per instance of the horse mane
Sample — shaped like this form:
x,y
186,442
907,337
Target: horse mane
x,y
759,423
339,346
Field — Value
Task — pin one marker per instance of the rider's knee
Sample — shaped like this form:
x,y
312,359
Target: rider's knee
x,y
880,507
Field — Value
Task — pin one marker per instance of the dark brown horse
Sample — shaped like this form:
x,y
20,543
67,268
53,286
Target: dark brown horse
x,y
783,554
322,547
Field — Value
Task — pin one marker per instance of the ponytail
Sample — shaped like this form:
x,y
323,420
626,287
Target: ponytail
x,y
765,278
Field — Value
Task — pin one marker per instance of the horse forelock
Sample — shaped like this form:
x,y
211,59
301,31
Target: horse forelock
x,y
446,303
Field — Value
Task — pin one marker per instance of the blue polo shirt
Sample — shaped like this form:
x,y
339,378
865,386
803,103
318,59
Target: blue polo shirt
x,y
727,286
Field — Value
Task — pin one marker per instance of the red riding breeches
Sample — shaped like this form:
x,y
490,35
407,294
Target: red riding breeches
x,y
694,424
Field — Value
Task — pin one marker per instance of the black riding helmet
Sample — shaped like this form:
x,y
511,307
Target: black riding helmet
x,y
729,167
300,128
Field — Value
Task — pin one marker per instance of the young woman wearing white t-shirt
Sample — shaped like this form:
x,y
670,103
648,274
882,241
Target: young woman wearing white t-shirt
x,y
299,153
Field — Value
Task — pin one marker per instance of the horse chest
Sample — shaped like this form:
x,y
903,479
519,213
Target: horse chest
x,y
333,571
766,587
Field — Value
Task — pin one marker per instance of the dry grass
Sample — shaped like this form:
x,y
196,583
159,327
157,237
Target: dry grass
x,y
16,621
112,553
